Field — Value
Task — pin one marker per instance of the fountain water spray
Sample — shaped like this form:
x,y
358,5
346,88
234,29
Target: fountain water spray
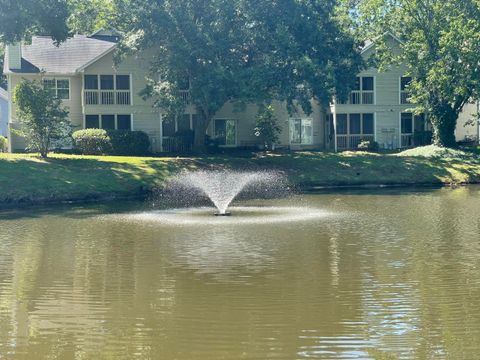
x,y
222,187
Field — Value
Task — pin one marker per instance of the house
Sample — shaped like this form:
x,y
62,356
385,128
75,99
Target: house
x,y
3,111
81,72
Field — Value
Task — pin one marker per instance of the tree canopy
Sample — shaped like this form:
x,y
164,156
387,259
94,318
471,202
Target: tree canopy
x,y
44,120
242,50
440,42
21,18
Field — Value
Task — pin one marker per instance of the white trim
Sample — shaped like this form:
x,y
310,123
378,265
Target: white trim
x,y
372,44
49,77
374,126
400,129
335,128
236,131
106,52
131,122
161,132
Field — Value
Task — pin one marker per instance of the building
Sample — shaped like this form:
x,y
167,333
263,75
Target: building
x,y
81,71
3,111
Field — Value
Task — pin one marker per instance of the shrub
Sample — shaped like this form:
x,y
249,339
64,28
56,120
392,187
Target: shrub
x,y
368,145
267,127
125,142
111,142
3,144
92,141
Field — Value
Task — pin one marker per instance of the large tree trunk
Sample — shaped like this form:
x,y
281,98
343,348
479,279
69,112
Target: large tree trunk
x,y
444,122
199,145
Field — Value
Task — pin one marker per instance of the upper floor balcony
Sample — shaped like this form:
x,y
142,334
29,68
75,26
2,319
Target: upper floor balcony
x,y
363,92
107,90
107,97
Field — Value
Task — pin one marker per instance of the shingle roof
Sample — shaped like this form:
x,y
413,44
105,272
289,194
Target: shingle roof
x,y
43,55
3,93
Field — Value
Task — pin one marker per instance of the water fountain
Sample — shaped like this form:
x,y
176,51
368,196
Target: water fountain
x,y
182,201
222,187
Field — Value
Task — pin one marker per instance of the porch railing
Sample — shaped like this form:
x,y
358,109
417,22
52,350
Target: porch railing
x,y
350,142
107,97
404,97
175,145
406,140
185,96
360,98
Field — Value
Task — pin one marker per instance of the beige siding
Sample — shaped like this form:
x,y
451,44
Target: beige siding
x,y
463,129
73,105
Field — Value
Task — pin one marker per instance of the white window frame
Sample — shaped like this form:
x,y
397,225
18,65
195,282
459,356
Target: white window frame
x,y
100,120
301,137
400,91
236,131
49,78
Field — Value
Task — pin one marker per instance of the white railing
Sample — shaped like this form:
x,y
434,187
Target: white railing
x,y
184,95
107,97
406,140
358,97
404,97
350,142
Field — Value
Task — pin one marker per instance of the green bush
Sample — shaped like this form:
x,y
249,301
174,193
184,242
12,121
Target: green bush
x,y
422,138
3,144
125,142
368,145
111,142
91,141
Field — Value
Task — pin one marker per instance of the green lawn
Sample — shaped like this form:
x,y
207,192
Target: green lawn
x,y
28,178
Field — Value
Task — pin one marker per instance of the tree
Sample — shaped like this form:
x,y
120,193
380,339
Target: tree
x,y
267,127
44,121
440,42
240,51
88,16
21,18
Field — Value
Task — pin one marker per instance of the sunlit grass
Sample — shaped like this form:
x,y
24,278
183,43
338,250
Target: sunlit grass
x,y
28,177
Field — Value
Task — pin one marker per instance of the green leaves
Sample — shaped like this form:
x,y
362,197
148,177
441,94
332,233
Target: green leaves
x,y
440,46
43,118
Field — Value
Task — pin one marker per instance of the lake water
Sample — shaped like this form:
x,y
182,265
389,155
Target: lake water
x,y
384,274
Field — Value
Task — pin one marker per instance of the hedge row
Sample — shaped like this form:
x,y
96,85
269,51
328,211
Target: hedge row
x,y
111,142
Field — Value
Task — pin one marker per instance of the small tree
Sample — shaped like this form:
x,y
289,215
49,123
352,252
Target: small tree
x,y
44,121
267,127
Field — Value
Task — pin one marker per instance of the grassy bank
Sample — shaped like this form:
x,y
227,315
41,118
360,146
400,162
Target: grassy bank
x,y
28,178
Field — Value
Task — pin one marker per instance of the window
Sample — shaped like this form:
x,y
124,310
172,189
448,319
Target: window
x,y
92,121
108,122
124,122
106,82
226,131
367,124
363,91
355,124
183,122
168,126
404,82
123,82
407,123
107,89
342,124
411,123
58,87
301,131
91,82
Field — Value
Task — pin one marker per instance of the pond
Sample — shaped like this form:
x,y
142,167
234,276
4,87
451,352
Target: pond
x,y
380,274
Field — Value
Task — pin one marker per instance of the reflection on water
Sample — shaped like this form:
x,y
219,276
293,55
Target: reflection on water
x,y
386,275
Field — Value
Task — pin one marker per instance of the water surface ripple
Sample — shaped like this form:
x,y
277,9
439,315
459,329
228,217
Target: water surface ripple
x,y
357,275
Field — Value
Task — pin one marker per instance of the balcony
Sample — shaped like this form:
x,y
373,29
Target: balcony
x,y
107,97
358,97
185,96
404,98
